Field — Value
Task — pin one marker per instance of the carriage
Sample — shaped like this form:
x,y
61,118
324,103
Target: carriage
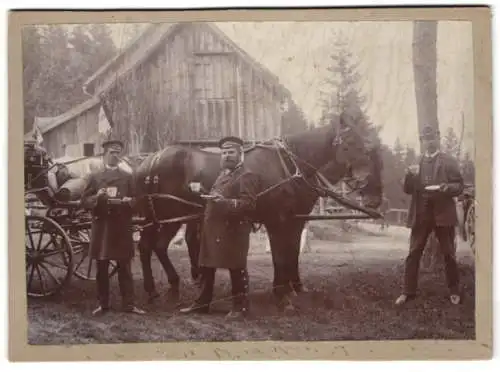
x,y
57,228
467,216
57,232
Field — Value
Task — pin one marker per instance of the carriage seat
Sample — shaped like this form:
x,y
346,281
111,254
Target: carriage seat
x,y
36,160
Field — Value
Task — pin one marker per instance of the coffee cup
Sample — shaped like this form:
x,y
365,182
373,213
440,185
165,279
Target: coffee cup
x,y
195,186
111,191
414,168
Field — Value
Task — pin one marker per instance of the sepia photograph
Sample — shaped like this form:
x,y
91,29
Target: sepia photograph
x,y
247,180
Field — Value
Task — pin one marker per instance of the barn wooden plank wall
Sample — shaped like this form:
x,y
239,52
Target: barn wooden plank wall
x,y
193,84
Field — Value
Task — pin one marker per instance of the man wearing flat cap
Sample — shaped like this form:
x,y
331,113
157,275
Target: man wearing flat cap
x,y
433,185
226,230
109,195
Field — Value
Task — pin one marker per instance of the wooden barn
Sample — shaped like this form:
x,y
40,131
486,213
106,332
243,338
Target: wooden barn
x,y
74,133
187,81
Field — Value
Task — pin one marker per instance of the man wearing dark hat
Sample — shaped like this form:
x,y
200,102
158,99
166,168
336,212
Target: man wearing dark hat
x,y
109,195
226,230
432,184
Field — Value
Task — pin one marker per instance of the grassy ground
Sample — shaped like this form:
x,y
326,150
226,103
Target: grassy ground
x,y
352,284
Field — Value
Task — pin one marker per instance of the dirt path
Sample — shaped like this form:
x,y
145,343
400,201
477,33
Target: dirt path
x,y
352,285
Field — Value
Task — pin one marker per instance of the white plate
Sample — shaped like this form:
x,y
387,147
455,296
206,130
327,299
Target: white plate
x,y
432,187
207,196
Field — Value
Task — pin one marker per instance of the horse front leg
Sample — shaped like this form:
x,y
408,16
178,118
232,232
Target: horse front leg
x,y
281,282
294,248
146,247
192,237
165,236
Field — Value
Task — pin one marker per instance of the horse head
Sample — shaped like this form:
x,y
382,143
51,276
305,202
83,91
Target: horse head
x,y
345,149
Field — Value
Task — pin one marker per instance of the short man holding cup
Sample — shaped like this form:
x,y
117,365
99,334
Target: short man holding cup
x,y
109,195
432,184
225,236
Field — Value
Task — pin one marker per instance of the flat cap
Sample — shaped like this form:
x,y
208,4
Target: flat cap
x,y
231,141
113,143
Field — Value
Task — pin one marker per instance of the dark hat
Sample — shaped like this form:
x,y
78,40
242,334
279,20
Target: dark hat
x,y
230,141
429,132
113,143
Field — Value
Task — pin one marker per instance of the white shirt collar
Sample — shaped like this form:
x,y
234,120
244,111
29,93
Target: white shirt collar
x,y
431,155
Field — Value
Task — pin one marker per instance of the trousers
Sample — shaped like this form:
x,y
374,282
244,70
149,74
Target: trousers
x,y
418,239
239,288
125,282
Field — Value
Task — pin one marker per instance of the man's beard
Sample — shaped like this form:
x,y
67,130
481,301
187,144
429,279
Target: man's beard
x,y
230,164
113,162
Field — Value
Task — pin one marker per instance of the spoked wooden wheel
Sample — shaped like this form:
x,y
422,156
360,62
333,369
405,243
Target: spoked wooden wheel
x,y
470,231
84,266
49,260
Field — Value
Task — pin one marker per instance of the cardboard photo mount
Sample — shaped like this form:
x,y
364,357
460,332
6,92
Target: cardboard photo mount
x,y
480,348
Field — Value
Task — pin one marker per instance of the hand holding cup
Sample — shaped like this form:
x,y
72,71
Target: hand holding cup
x,y
195,186
413,169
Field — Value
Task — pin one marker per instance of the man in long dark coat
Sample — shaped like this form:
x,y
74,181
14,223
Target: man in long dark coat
x,y
109,194
432,184
226,230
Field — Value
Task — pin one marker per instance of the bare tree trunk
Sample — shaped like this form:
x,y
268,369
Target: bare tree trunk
x,y
425,71
425,75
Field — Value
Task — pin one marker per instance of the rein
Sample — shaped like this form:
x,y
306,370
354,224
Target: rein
x,y
321,184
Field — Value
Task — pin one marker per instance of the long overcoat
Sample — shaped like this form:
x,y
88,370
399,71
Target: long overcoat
x,y
446,171
111,237
227,224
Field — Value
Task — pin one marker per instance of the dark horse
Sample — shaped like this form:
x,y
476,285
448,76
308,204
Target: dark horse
x,y
337,150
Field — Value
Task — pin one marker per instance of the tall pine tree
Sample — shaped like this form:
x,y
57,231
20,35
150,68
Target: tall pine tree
x,y
410,156
468,169
293,120
399,152
56,62
343,94
32,73
451,143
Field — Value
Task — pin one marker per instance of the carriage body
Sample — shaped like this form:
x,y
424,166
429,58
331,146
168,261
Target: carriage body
x,y
57,232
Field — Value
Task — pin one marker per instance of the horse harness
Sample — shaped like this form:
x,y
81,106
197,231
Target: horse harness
x,y
320,184
152,182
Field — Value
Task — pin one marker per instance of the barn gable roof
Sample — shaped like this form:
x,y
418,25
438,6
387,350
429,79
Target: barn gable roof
x,y
46,124
148,42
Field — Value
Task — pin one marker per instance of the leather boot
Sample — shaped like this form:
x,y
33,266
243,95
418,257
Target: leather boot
x,y
202,304
241,303
100,310
404,298
195,309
